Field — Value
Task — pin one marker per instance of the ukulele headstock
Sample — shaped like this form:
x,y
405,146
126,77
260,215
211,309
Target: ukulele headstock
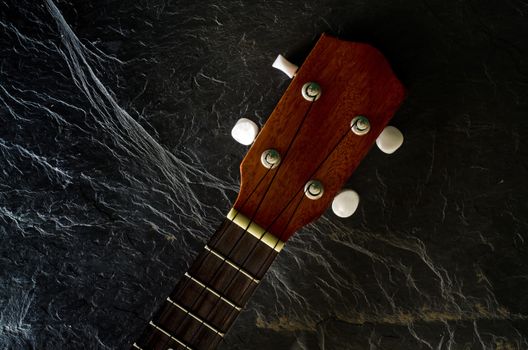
x,y
319,139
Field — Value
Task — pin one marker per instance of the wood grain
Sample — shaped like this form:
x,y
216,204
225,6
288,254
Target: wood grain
x,y
356,80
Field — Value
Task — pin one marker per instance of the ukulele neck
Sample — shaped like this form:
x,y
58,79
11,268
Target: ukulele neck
x,y
207,300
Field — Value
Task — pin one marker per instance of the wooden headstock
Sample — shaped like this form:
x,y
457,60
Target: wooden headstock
x,y
315,141
314,138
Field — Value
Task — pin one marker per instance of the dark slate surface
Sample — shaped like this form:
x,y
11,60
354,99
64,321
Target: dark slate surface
x,y
117,165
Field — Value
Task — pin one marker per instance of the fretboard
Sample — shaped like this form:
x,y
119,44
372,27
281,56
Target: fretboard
x,y
209,297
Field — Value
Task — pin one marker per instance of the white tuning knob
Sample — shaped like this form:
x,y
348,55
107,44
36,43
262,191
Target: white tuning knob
x,y
389,140
345,203
285,66
245,131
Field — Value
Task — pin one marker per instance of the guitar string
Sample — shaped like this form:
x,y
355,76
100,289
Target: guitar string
x,y
270,225
276,218
238,269
266,231
297,132
222,232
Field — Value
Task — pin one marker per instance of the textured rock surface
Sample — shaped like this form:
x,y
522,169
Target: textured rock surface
x,y
117,164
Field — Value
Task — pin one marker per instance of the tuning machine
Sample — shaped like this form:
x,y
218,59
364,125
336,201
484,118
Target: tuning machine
x,y
345,203
245,131
389,140
285,66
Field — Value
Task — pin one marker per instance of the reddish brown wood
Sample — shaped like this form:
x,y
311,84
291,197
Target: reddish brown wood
x,y
356,80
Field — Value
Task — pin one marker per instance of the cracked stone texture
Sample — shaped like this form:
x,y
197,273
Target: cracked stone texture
x,y
117,165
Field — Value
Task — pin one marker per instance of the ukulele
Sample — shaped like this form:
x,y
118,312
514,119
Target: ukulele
x,y
333,111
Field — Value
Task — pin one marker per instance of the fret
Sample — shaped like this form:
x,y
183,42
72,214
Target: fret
x,y
170,336
222,277
156,338
175,320
239,268
215,293
206,302
195,317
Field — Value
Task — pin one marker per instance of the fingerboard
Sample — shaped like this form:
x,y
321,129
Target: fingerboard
x,y
209,297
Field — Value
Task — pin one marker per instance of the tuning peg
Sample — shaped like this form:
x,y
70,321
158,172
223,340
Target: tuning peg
x,y
389,140
345,203
245,131
285,66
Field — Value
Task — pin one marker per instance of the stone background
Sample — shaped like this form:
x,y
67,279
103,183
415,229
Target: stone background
x,y
116,165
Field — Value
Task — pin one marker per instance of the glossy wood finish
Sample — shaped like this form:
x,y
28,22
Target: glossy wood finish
x,y
356,80
207,300
316,142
